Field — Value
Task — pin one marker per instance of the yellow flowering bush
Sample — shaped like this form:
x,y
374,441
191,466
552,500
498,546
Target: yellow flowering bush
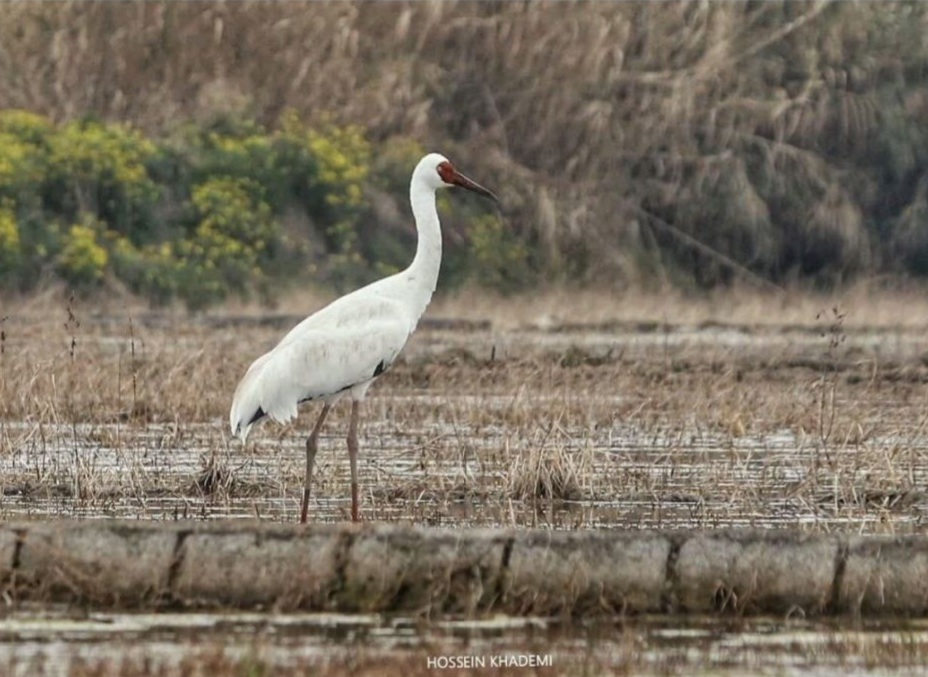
x,y
102,170
216,208
30,127
235,235
10,245
83,259
343,157
94,151
328,167
23,153
20,164
250,156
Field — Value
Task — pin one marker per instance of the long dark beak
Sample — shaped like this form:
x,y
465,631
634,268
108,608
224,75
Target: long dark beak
x,y
462,181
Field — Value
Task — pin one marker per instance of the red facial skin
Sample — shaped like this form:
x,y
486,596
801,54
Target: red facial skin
x,y
453,177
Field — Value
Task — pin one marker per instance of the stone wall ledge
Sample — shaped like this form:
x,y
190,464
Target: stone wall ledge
x,y
387,568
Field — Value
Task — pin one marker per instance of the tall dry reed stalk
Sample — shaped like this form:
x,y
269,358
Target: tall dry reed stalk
x,y
596,120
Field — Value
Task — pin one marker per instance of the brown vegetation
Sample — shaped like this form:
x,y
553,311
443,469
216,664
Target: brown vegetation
x,y
786,136
672,419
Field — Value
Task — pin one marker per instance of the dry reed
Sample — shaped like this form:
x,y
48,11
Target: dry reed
x,y
596,121
617,420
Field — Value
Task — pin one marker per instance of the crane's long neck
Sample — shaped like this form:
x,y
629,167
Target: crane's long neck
x,y
423,271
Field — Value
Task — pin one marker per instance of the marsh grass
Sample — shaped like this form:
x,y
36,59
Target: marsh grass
x,y
610,419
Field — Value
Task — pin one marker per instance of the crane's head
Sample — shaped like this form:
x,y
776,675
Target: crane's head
x,y
438,172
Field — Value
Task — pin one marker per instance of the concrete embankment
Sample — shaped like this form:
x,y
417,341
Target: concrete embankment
x,y
391,568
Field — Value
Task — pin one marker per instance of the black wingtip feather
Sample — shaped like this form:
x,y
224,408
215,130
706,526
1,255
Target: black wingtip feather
x,y
258,415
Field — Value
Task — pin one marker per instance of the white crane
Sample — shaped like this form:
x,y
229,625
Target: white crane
x,y
343,347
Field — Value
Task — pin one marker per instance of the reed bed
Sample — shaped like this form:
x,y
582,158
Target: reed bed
x,y
680,143
612,422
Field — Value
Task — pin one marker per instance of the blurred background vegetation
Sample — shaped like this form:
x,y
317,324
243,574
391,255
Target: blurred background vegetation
x,y
196,151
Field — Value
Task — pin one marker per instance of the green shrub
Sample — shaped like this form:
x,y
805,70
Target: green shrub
x,y
343,157
218,209
234,242
240,151
386,234
498,258
29,127
24,156
319,172
83,259
23,167
393,162
151,271
101,169
10,243
333,193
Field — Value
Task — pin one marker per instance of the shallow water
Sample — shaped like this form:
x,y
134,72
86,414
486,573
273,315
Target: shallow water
x,y
647,454
463,474
52,643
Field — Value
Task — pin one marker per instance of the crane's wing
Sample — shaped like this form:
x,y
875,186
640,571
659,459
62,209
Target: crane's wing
x,y
326,354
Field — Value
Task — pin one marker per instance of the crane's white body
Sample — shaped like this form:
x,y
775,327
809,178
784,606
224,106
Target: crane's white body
x,y
344,346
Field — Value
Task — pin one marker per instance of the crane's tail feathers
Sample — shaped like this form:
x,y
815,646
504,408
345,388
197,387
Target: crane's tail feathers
x,y
240,425
247,405
241,432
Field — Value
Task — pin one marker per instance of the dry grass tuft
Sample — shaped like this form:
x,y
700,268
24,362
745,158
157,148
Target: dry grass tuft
x,y
549,470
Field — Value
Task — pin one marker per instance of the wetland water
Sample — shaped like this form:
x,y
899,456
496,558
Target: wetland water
x,y
56,643
456,475
695,427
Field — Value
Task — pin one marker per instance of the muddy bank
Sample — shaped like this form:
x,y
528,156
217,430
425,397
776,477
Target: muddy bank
x,y
387,568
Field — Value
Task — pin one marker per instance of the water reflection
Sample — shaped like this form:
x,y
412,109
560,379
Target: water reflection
x,y
52,642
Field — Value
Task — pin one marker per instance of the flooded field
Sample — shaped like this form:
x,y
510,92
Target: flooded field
x,y
444,473
610,425
634,428
57,644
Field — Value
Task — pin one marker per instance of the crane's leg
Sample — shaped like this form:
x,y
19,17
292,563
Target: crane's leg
x,y
310,458
353,458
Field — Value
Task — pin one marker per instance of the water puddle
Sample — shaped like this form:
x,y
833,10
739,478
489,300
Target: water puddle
x,y
53,643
